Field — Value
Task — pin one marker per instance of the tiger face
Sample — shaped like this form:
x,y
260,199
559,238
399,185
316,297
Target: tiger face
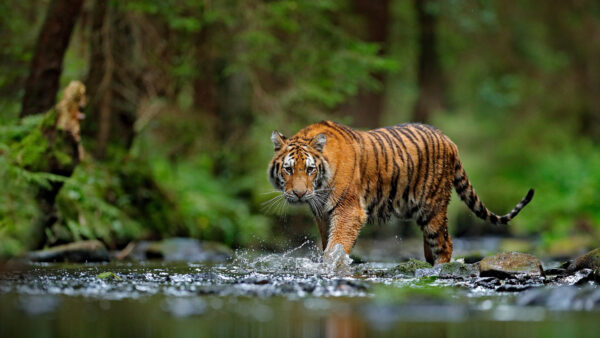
x,y
299,169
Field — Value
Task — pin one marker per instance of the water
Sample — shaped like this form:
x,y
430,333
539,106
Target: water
x,y
290,294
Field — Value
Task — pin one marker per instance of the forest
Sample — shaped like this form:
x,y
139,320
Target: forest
x,y
182,97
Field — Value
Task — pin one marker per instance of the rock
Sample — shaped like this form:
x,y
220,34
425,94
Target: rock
x,y
487,282
76,252
562,298
590,260
428,272
507,264
578,278
184,249
473,258
513,287
555,272
458,270
409,267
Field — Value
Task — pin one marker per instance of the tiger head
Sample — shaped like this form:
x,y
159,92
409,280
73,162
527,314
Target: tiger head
x,y
299,168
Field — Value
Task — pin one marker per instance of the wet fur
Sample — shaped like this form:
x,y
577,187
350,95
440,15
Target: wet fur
x,y
407,171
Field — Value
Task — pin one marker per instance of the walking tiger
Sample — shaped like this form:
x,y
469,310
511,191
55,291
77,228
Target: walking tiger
x,y
349,177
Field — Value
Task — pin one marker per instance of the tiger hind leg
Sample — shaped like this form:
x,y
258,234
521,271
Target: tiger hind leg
x,y
436,241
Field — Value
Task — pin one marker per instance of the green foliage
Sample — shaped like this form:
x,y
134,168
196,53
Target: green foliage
x,y
210,206
94,205
567,195
18,208
522,108
19,26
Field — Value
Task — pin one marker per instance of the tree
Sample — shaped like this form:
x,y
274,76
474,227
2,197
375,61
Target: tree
x,y
113,79
42,84
429,73
367,107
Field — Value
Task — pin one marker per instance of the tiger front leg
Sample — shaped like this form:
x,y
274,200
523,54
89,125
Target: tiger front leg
x,y
345,224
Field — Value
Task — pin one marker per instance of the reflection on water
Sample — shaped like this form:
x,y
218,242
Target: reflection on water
x,y
279,295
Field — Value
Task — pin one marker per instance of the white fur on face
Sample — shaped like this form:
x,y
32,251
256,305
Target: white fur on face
x,y
288,161
310,161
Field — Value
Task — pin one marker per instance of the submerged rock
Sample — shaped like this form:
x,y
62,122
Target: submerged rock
x,y
454,270
76,252
508,264
183,249
407,268
428,272
562,298
578,278
590,260
458,270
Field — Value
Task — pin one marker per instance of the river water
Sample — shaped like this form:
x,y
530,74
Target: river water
x,y
279,295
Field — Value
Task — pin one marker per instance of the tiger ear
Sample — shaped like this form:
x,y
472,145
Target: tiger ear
x,y
278,139
318,142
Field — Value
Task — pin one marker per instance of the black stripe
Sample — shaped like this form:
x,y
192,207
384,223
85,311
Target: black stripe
x,y
427,164
472,201
393,189
387,135
407,134
336,127
431,142
434,234
409,164
482,211
378,186
461,188
405,195
380,142
351,132
438,178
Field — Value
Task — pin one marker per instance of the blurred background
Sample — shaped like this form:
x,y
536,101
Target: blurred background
x,y
184,94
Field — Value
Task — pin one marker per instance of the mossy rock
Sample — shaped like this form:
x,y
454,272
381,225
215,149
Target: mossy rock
x,y
507,264
409,267
590,260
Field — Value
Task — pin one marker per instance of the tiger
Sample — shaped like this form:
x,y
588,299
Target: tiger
x,y
349,177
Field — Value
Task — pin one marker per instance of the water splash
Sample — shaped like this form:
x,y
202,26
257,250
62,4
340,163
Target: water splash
x,y
337,261
306,259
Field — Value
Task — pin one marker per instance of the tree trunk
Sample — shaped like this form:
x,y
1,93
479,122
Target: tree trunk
x,y
205,93
42,84
430,77
113,80
367,107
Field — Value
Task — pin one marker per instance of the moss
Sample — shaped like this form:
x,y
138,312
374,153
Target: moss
x,y
411,266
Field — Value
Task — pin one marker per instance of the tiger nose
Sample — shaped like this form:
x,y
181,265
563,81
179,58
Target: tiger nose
x,y
299,193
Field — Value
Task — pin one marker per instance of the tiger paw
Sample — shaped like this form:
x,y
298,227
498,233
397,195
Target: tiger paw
x,y
337,260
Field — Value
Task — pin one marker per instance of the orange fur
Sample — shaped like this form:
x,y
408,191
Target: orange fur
x,y
349,177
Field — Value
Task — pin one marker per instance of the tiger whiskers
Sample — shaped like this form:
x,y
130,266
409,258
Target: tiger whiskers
x,y
272,204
